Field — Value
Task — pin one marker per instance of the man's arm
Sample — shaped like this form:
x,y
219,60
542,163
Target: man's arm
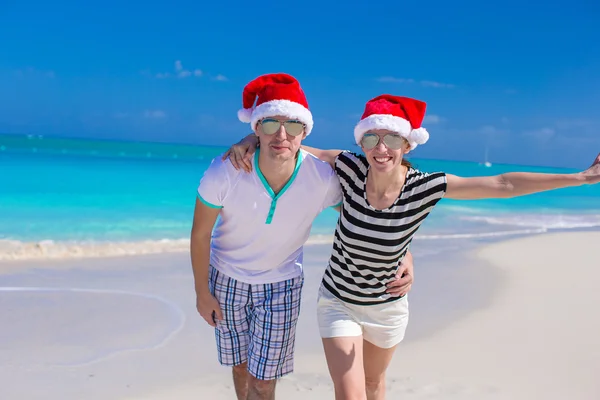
x,y
515,184
204,221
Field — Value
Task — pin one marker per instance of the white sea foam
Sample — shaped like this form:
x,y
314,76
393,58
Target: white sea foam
x,y
476,235
521,224
49,249
327,239
541,221
14,250
319,239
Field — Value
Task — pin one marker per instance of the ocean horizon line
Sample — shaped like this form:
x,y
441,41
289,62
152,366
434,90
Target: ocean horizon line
x,y
198,146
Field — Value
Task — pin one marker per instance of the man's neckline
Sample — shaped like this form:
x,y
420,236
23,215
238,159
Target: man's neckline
x,y
299,159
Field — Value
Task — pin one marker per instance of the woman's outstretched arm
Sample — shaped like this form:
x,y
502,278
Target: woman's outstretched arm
x,y
515,184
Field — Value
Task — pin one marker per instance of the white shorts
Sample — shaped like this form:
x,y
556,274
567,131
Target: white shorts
x,y
383,325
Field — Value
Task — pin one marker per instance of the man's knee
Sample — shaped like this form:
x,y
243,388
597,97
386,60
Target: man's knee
x,y
262,387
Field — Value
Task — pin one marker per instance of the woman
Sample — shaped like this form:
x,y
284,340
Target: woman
x,y
385,202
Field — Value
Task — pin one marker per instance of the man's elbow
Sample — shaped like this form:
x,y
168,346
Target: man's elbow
x,y
199,235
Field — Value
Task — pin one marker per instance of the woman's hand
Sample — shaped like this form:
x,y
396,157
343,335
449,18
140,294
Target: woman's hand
x,y
592,174
240,153
404,278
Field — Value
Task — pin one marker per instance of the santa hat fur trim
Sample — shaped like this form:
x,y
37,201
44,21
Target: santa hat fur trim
x,y
272,108
394,124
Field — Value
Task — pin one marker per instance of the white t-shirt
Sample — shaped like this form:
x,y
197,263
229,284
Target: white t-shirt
x,y
259,236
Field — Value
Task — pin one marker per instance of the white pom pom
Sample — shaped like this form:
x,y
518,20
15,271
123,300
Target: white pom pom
x,y
245,115
419,136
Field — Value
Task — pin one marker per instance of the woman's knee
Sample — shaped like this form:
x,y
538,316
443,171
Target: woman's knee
x,y
374,383
349,390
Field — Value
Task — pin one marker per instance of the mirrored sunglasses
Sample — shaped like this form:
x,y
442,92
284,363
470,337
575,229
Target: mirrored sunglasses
x,y
292,127
391,140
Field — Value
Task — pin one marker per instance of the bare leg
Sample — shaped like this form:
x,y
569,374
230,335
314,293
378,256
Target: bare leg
x,y
345,361
240,380
376,362
260,390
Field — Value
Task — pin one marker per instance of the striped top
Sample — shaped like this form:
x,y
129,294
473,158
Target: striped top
x,y
369,243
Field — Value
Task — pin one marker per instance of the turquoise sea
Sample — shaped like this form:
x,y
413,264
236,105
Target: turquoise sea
x,y
73,193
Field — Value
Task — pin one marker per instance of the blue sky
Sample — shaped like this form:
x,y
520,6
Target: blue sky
x,y
523,80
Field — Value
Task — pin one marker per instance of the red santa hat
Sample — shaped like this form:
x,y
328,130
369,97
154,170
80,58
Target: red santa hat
x,y
275,94
402,115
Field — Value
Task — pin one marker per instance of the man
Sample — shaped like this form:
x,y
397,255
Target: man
x,y
248,272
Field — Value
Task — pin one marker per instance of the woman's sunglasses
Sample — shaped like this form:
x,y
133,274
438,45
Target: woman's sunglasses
x,y
292,127
391,140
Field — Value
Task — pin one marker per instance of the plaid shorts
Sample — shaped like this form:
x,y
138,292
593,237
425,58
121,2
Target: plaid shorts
x,y
259,324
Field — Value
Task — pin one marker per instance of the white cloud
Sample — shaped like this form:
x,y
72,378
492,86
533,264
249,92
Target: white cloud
x,y
488,130
492,135
424,83
542,135
155,114
437,84
30,71
433,119
180,72
577,123
391,79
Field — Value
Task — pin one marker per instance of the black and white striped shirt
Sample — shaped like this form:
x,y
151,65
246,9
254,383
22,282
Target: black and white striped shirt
x,y
369,243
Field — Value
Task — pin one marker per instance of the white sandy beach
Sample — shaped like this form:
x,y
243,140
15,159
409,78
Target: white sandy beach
x,y
518,321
